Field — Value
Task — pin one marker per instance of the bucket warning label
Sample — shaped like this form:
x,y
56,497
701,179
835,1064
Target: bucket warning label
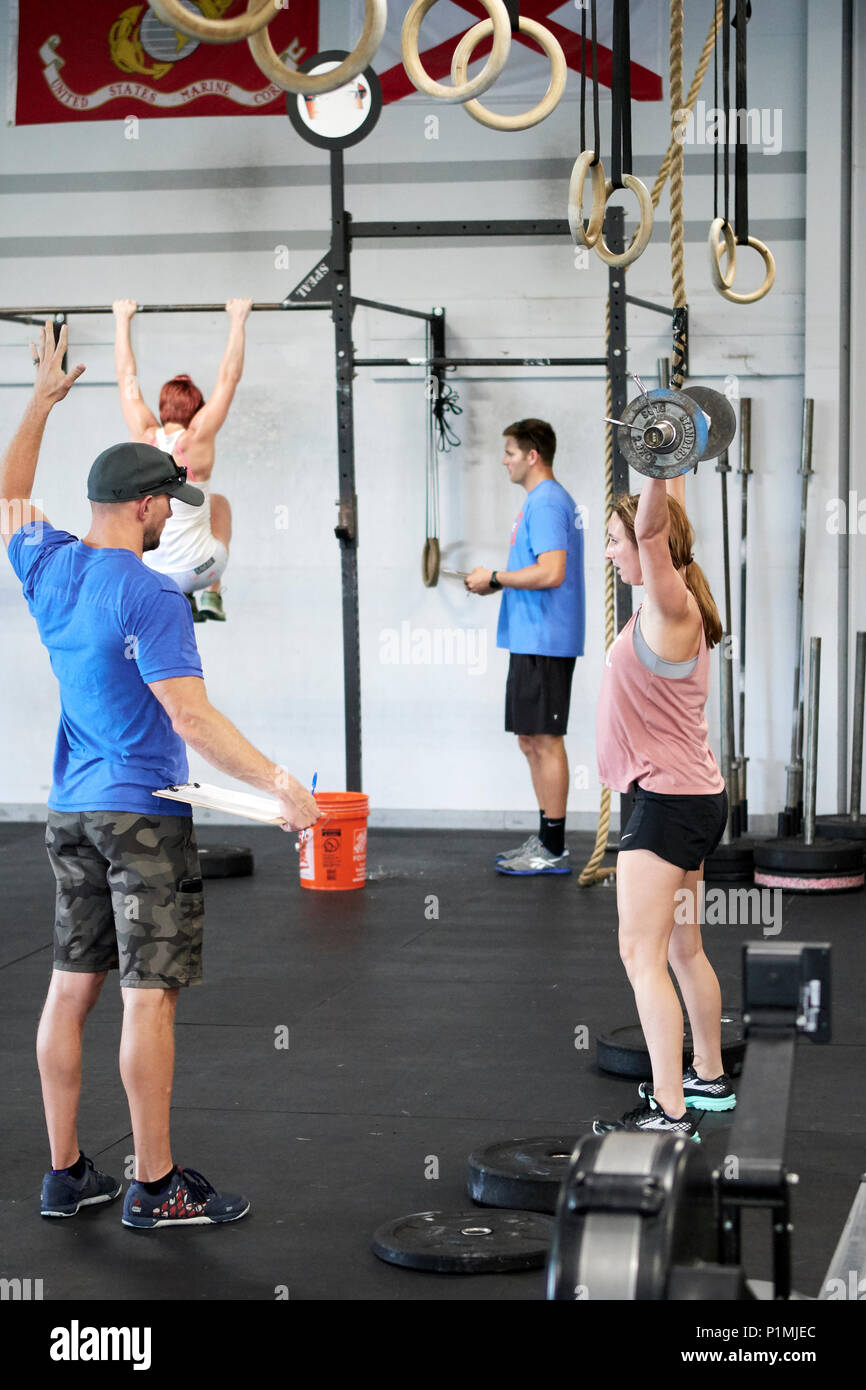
x,y
332,849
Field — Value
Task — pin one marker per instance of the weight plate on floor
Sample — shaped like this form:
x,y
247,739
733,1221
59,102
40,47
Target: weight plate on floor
x,y
729,862
795,857
723,420
816,881
466,1242
522,1173
624,1052
841,827
225,861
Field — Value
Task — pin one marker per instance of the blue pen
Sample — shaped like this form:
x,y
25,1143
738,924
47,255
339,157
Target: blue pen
x,y
309,830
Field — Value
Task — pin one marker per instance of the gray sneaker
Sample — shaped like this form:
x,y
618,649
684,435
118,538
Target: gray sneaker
x,y
531,843
535,861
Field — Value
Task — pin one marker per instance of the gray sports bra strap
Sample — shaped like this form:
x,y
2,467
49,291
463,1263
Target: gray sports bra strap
x,y
673,670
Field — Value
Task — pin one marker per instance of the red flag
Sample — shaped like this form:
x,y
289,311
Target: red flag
x,y
102,60
527,69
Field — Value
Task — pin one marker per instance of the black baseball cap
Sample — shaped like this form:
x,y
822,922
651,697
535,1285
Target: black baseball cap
x,y
128,472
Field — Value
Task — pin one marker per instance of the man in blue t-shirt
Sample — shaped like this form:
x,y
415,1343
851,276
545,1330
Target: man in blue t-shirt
x,y
121,642
541,623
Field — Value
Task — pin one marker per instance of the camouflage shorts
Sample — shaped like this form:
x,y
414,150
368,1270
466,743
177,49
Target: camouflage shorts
x,y
129,896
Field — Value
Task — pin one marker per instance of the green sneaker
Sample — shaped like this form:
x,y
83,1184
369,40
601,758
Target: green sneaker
x,y
196,616
210,605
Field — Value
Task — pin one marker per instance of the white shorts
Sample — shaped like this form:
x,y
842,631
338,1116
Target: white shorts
x,y
205,574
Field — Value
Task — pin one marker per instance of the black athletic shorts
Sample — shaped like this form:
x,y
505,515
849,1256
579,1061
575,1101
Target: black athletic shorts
x,y
538,694
684,830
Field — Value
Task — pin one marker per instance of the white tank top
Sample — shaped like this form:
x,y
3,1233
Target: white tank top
x,y
186,541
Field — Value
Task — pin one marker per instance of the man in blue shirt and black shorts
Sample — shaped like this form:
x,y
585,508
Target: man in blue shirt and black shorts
x,y
542,624
129,892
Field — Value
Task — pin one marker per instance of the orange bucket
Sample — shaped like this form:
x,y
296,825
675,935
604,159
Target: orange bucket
x,y
334,852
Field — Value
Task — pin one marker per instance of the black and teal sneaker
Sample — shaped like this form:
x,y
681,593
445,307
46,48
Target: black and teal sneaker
x,y
186,1200
62,1195
649,1118
708,1095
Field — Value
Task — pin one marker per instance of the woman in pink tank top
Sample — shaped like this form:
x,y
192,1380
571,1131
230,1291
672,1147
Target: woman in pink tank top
x,y
652,736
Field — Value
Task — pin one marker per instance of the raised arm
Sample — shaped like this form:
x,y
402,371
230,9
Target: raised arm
x,y
18,465
215,738
138,416
665,588
676,488
212,415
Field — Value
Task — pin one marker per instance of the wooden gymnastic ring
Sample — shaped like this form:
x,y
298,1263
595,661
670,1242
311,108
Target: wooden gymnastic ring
x,y
586,236
754,295
645,227
176,16
501,26
289,80
430,563
727,246
555,87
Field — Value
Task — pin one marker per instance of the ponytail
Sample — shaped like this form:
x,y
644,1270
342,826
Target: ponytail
x,y
680,540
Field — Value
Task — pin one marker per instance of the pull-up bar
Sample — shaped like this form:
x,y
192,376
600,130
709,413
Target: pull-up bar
x,y
21,315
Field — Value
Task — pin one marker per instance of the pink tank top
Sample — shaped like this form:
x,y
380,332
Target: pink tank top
x,y
652,729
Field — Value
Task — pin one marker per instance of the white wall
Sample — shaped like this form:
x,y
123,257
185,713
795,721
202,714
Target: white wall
x,y
88,216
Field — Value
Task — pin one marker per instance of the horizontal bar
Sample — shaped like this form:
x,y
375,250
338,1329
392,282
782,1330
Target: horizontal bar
x,y
393,309
545,227
18,318
17,315
646,304
480,362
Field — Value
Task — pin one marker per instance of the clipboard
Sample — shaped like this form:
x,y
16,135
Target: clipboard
x,y
264,809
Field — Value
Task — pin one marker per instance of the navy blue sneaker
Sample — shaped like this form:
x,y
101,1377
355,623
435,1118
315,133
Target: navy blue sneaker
x,y
649,1118
187,1200
63,1195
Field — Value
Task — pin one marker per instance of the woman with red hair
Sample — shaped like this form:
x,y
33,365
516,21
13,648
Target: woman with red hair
x,y
194,548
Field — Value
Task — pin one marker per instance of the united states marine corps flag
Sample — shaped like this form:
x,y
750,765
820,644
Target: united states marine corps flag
x,y
100,60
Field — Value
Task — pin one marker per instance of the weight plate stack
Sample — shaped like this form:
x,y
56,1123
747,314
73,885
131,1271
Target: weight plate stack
x,y
522,1173
841,828
734,863
827,866
623,1051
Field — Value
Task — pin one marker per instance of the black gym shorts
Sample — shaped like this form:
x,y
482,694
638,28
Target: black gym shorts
x,y
684,830
538,694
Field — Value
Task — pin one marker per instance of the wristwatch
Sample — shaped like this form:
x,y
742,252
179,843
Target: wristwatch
x,y
494,582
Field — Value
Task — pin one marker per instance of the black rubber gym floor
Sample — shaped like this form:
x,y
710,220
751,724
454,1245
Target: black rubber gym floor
x,y
428,1014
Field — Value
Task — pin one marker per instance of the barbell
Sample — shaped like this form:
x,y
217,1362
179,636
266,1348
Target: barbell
x,y
664,433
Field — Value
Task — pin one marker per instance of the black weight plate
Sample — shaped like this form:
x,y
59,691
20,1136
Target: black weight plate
x,y
824,856
840,827
466,1242
521,1173
730,862
723,420
225,861
624,1052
